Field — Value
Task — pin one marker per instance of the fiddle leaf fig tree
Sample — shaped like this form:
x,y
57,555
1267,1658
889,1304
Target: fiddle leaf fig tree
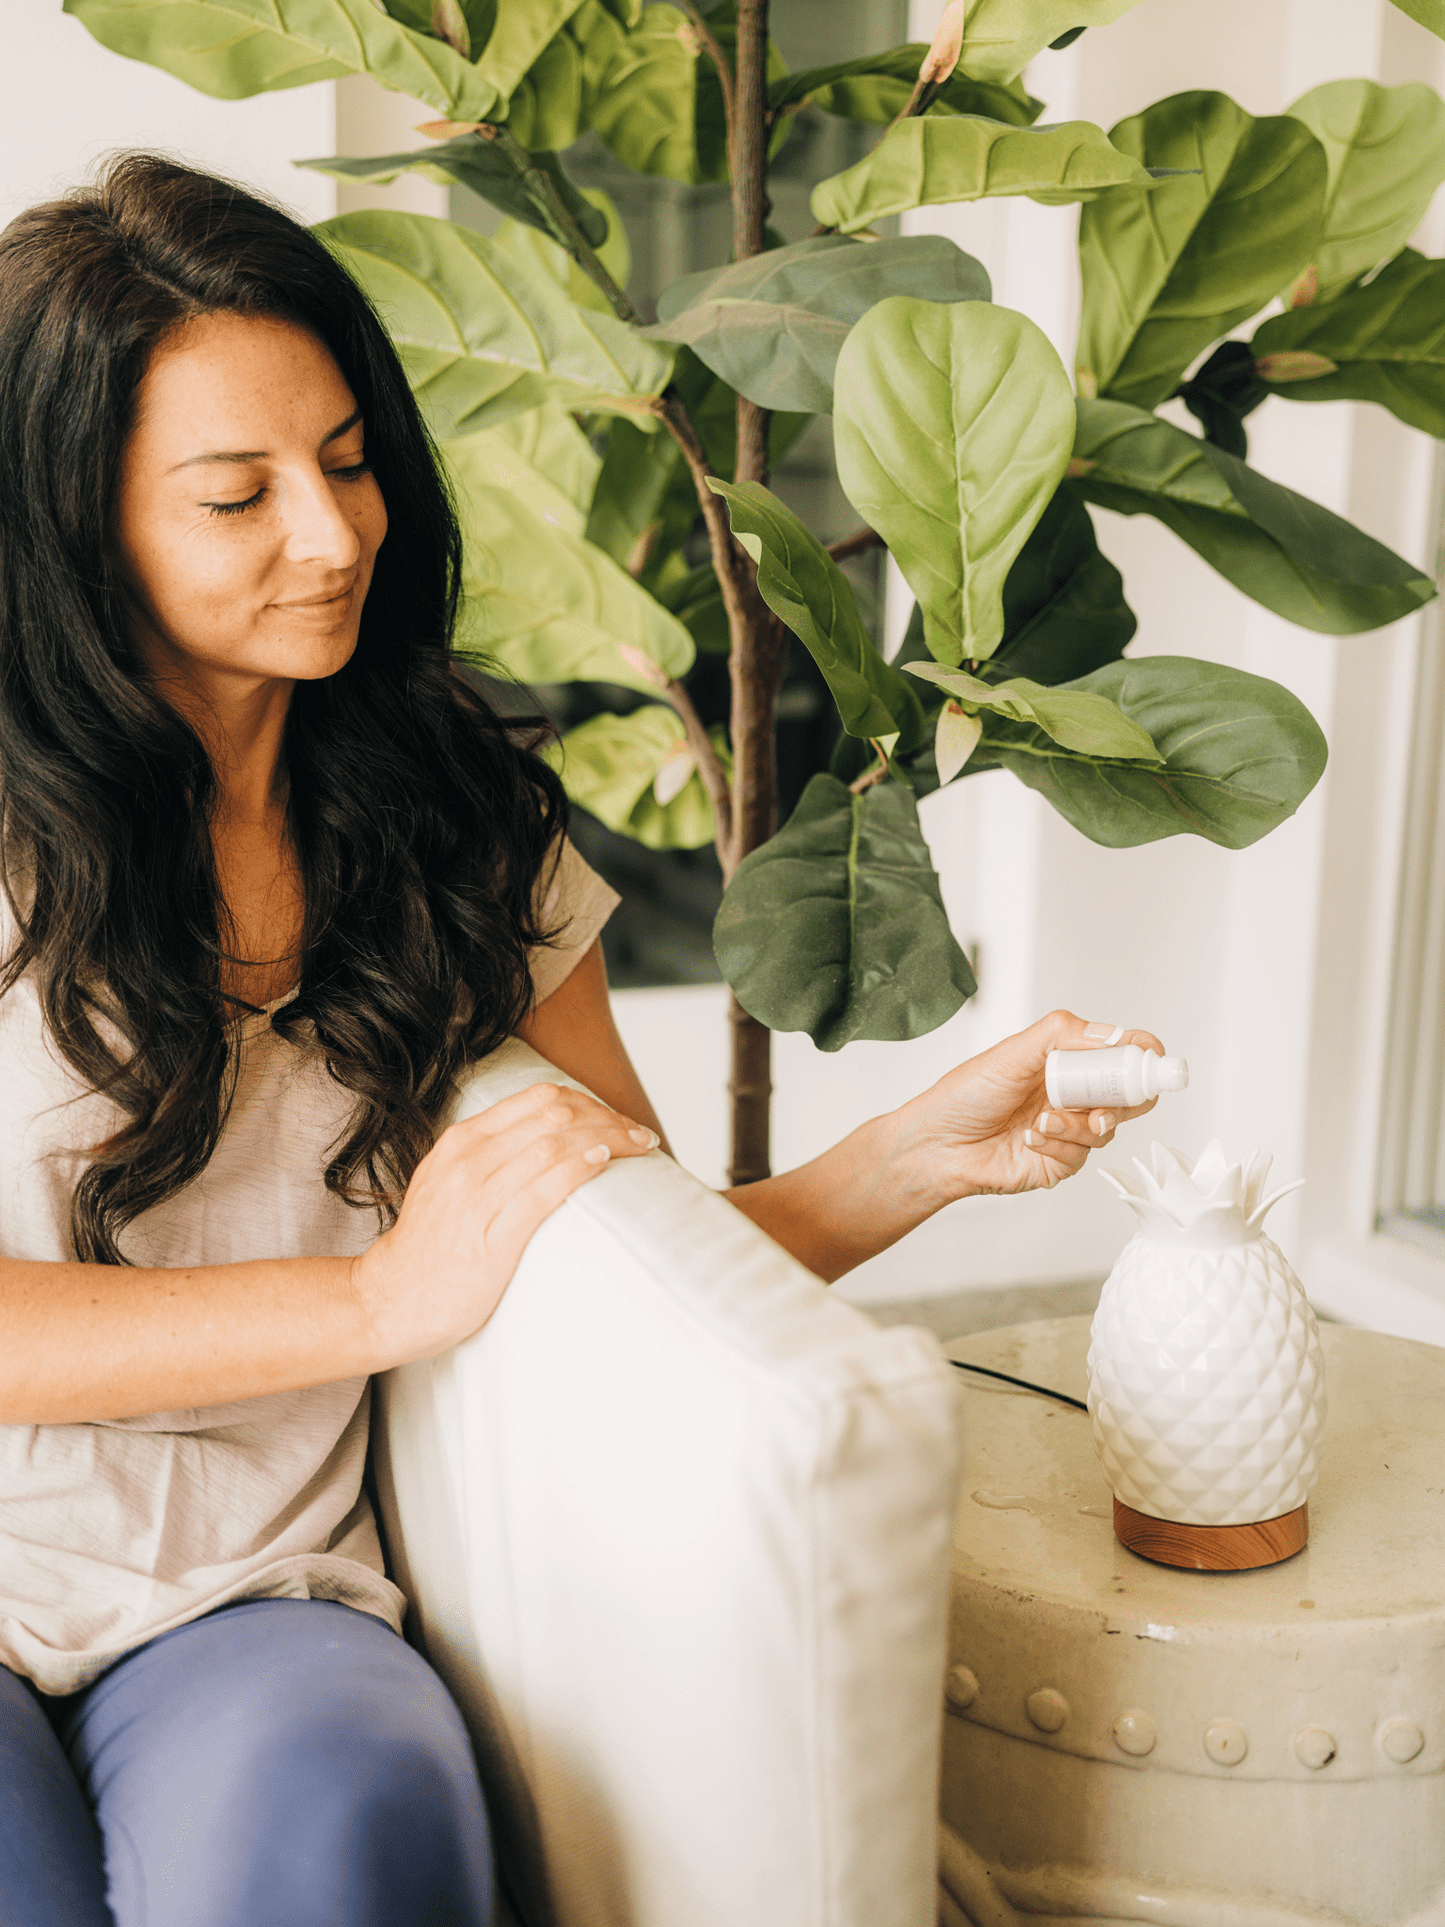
x,y
612,467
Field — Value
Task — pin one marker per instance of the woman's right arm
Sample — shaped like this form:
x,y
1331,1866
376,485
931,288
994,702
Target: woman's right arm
x,y
82,1342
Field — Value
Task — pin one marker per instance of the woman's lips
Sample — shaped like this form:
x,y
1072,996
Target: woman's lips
x,y
305,604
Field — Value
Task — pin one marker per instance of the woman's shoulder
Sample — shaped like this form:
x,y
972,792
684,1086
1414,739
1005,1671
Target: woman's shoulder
x,y
573,903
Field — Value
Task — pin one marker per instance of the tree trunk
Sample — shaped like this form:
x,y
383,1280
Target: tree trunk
x,y
750,1088
758,650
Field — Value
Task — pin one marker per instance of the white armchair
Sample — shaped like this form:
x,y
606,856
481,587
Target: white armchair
x,y
675,1530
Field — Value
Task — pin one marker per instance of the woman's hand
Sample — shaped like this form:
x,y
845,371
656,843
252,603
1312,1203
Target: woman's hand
x,y
988,1125
473,1202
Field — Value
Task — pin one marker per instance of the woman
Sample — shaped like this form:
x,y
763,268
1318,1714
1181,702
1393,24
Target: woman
x,y
274,874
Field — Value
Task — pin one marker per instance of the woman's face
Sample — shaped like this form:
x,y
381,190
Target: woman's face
x,y
247,522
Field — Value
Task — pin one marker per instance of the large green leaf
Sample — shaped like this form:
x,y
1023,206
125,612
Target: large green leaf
x,y
232,48
610,765
488,171
533,248
805,588
466,25
837,925
654,100
1429,13
695,598
1222,393
1386,153
642,92
549,440
1063,605
495,458
548,105
1167,272
876,88
952,427
1278,547
773,326
928,160
450,18
549,606
1000,37
1079,719
481,337
1064,611
520,35
1240,755
627,506
1381,341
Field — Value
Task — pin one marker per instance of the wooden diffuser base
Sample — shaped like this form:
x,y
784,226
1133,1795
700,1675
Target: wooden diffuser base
x,y
1212,1548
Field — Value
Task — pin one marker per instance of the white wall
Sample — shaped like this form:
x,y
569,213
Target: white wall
x,y
370,119
65,100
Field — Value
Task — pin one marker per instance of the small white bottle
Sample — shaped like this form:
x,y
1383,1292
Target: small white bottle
x,y
1077,1080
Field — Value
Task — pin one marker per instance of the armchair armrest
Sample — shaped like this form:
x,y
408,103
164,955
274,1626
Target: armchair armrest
x,y
674,1526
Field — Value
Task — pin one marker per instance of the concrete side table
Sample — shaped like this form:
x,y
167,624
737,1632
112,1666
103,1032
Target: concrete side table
x,y
1129,1743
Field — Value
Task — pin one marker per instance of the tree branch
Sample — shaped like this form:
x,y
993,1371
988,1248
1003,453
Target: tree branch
x,y
875,773
714,779
750,162
719,59
925,92
544,188
759,651
856,544
937,65
730,563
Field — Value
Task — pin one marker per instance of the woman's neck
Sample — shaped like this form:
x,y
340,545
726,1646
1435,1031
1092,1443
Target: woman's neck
x,y
242,723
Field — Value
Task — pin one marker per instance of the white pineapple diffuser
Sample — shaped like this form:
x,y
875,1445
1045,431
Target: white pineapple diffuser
x,y
1206,1376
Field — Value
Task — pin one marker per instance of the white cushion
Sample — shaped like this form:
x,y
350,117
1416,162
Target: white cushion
x,y
675,1526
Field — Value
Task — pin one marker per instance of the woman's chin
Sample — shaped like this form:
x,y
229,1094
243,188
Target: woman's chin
x,y
312,657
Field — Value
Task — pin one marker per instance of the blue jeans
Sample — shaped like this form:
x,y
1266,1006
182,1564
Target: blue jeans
x,y
276,1763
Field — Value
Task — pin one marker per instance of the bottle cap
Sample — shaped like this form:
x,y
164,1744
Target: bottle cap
x,y
1172,1074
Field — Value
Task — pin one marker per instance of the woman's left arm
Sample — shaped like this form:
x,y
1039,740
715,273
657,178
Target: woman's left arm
x,y
984,1127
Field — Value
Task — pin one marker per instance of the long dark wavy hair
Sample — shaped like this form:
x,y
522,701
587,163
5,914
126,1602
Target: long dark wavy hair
x,y
421,818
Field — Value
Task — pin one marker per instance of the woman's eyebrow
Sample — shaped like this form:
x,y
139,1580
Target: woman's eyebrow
x,y
260,454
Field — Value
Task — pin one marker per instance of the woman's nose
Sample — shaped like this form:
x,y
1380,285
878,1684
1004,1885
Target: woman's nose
x,y
318,528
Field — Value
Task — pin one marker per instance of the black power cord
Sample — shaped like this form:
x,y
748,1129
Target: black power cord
x,y
986,1371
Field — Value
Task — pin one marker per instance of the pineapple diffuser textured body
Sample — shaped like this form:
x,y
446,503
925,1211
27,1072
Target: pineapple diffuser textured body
x,y
1206,1377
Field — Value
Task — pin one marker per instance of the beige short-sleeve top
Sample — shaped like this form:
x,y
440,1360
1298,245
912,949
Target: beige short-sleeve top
x,y
114,1531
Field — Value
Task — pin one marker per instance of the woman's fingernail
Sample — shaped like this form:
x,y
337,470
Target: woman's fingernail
x,y
1105,1123
1103,1033
1029,1139
648,1138
1046,1123
599,1154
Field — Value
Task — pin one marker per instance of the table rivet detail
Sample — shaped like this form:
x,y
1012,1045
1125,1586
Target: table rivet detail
x,y
1314,1747
1047,1708
1134,1732
1401,1740
1225,1742
961,1689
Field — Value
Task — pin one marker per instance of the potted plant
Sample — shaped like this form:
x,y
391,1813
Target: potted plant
x,y
592,446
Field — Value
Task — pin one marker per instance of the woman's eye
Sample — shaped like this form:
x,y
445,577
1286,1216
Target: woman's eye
x,y
234,508
352,473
